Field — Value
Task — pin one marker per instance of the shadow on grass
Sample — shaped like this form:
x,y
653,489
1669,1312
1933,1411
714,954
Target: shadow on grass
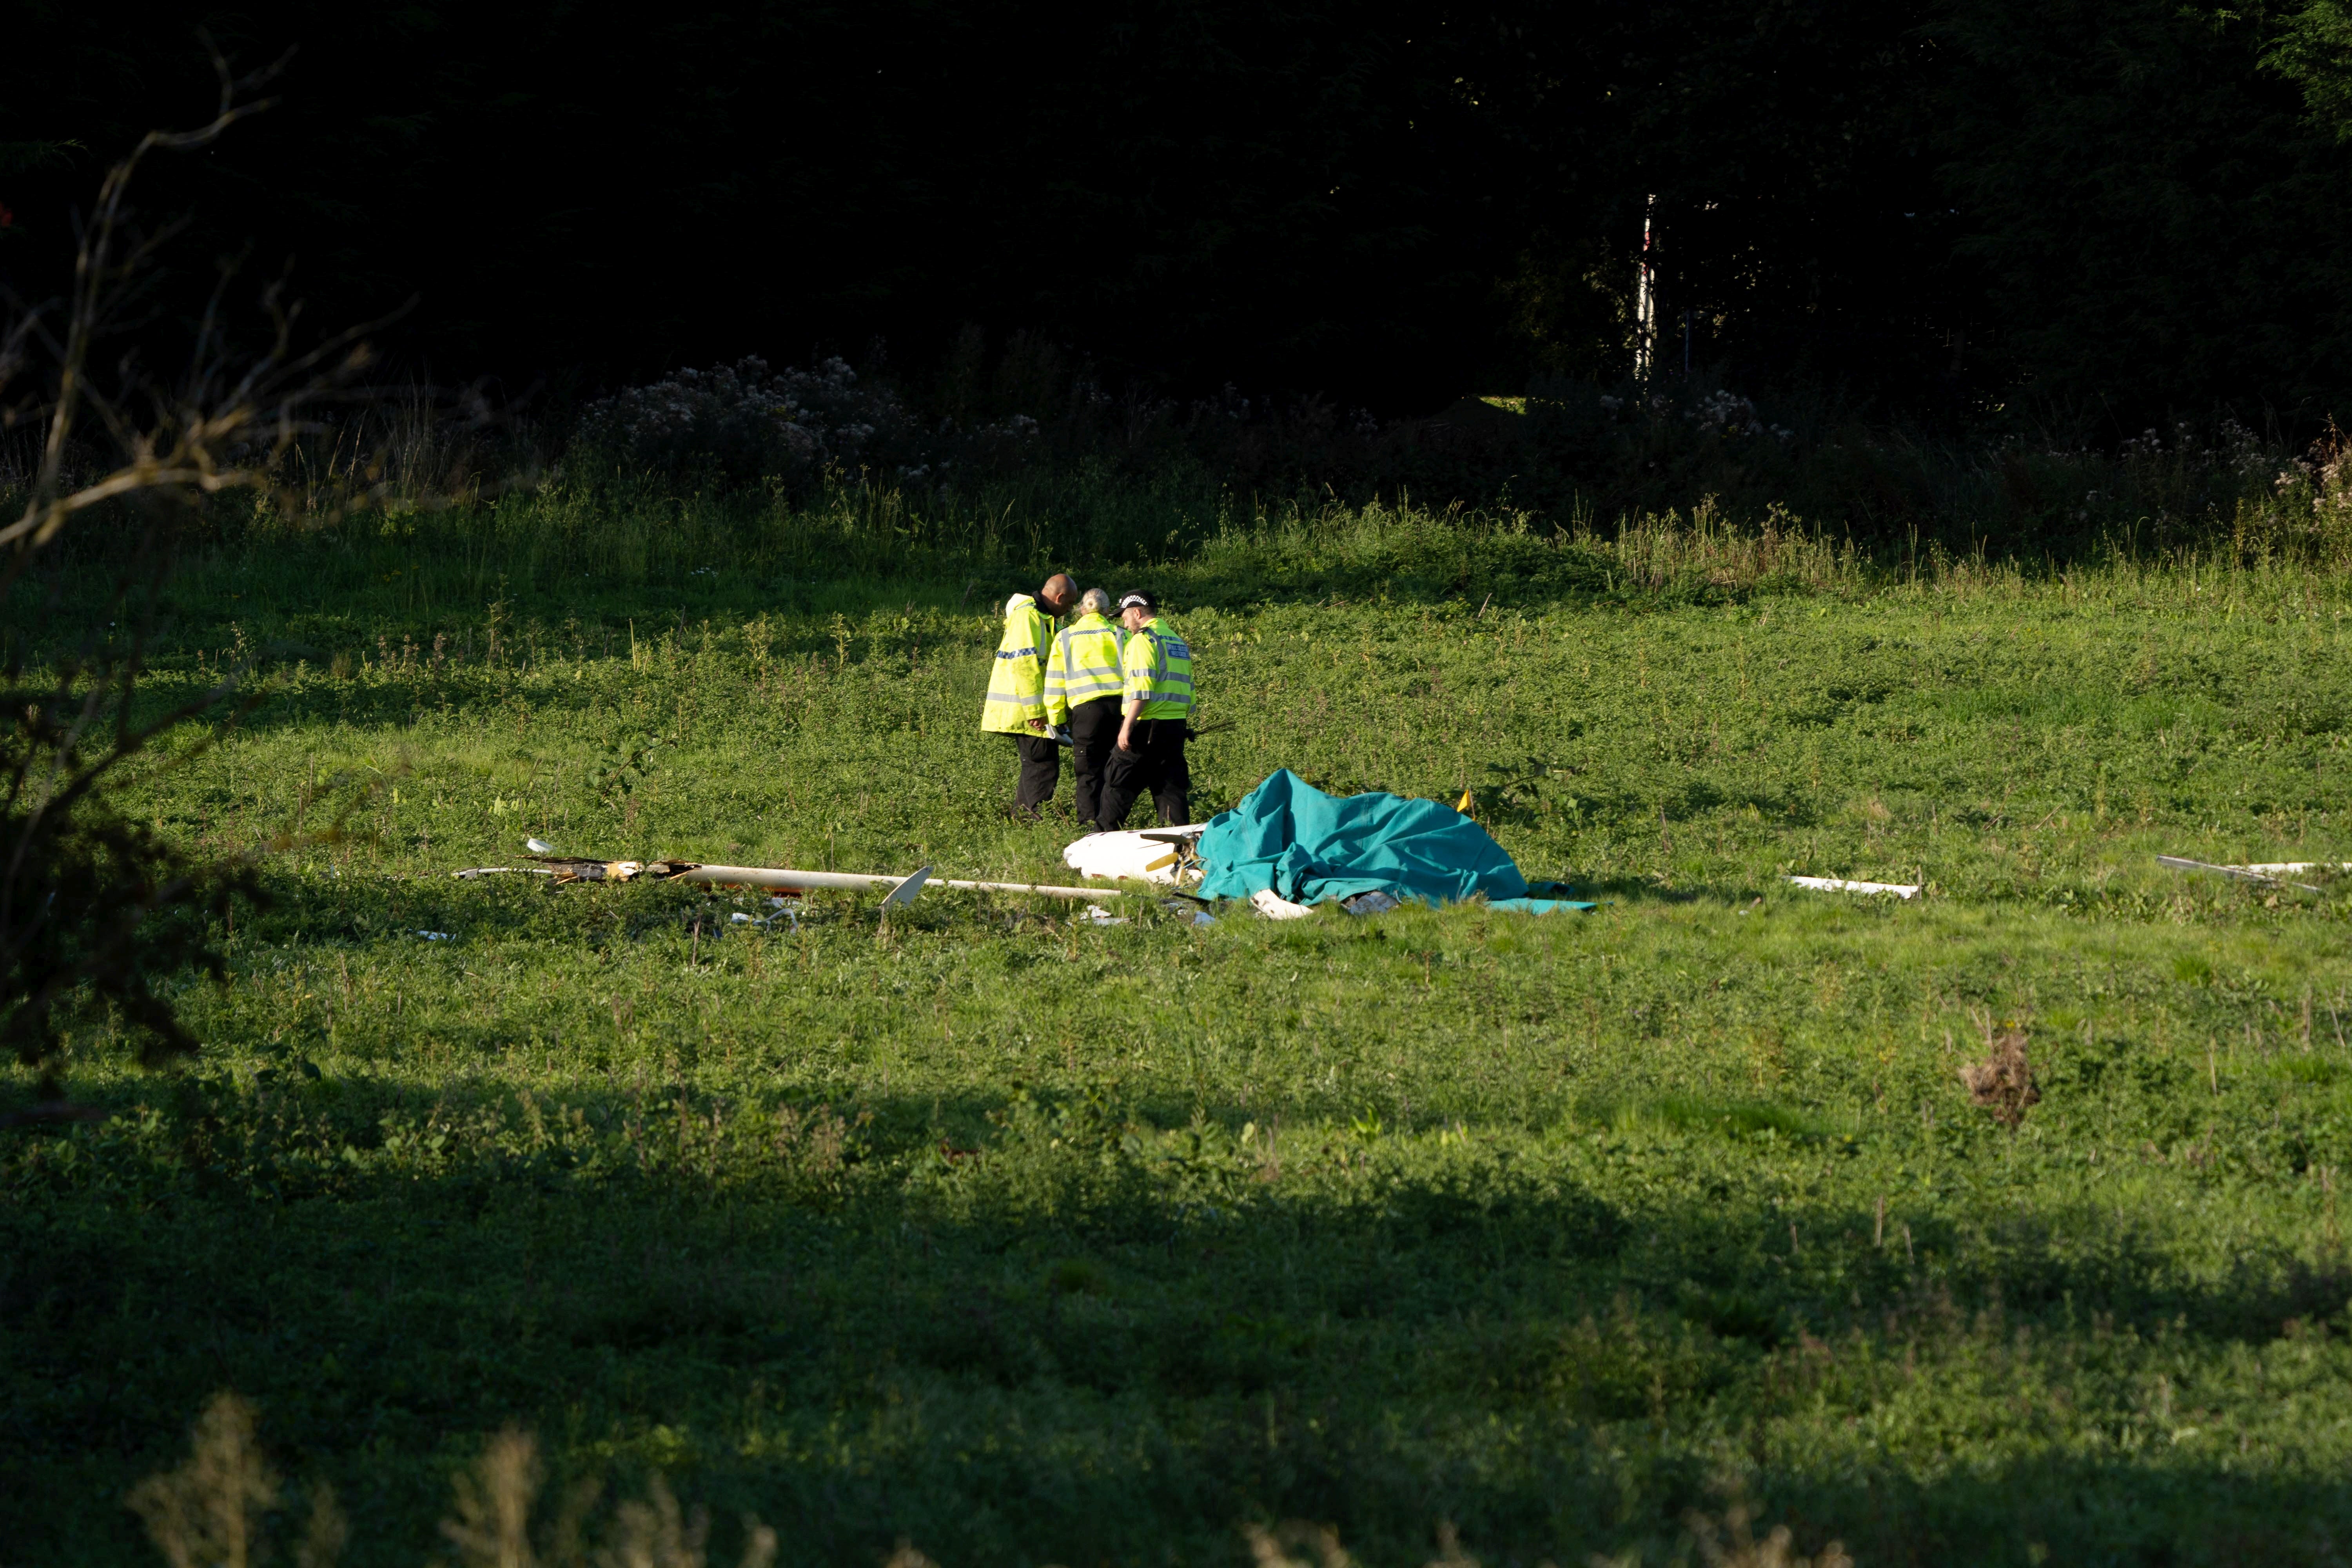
x,y
296,601
1075,1334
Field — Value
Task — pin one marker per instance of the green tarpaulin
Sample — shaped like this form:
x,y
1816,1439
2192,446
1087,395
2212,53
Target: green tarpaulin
x,y
1310,847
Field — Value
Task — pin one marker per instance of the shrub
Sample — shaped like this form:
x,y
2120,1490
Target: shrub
x,y
743,424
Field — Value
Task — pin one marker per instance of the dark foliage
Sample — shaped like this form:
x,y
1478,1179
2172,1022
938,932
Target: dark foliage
x,y
95,905
2313,51
2155,221
1931,205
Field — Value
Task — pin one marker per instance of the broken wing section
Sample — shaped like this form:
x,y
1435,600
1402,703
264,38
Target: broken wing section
x,y
1163,855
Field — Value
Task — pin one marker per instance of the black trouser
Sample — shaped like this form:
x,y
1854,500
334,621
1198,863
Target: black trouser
x,y
1157,764
1094,731
1041,771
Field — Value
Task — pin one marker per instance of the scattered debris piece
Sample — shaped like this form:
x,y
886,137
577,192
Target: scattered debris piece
x,y
436,936
2263,873
1373,903
1274,907
473,871
2003,1082
2241,873
788,913
538,846
1097,915
1192,913
1839,885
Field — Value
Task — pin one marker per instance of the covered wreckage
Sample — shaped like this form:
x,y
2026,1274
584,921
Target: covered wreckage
x,y
1288,847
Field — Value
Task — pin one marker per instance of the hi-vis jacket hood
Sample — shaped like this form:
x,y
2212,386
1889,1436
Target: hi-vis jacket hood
x,y
1016,687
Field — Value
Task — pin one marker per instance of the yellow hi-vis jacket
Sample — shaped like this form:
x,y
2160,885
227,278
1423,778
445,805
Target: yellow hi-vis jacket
x,y
1016,687
1158,670
1083,667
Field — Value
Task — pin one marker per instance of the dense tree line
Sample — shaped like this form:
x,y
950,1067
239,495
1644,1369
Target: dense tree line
x,y
1937,207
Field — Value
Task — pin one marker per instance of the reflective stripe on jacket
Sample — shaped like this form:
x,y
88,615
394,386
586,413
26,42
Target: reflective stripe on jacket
x,y
1083,667
1158,667
1016,687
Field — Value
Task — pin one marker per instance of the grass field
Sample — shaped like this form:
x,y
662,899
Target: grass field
x,y
1027,1240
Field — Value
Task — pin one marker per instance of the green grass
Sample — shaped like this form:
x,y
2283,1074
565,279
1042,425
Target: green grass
x,y
1030,1241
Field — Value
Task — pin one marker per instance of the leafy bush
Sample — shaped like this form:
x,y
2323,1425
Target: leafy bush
x,y
742,423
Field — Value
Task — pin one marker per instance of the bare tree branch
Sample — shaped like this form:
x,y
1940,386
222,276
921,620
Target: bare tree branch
x,y
94,904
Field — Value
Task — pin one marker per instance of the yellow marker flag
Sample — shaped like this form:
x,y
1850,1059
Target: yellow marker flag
x,y
1464,804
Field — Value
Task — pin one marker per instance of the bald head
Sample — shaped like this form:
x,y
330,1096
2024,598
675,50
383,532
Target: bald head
x,y
1057,593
